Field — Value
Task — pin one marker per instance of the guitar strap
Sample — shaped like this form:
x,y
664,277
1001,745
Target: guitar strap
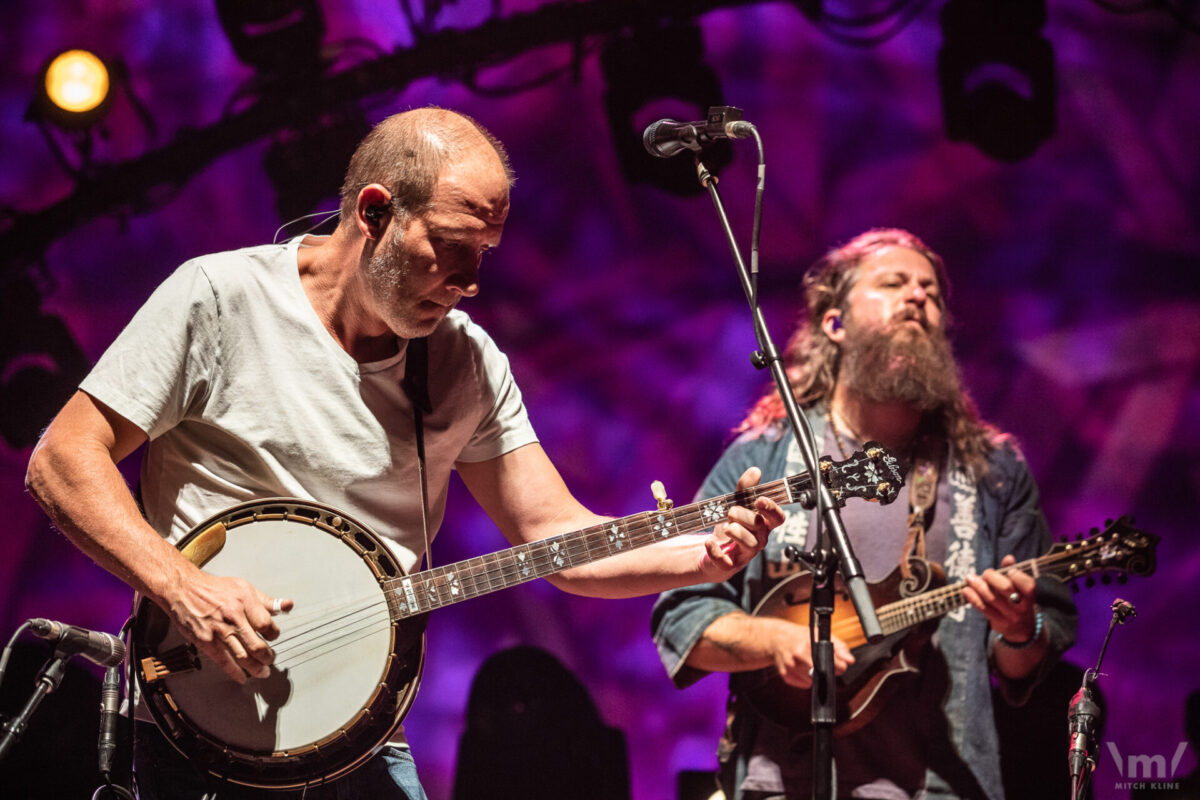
x,y
922,494
416,385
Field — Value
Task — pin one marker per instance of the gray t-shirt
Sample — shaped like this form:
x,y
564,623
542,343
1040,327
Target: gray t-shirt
x,y
245,395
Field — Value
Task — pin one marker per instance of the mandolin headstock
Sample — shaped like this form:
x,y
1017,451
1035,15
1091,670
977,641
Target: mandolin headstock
x,y
1120,550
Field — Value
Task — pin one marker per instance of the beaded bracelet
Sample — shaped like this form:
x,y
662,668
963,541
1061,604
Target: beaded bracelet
x,y
1037,632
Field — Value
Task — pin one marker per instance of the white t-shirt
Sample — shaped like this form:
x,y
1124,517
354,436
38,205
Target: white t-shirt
x,y
245,395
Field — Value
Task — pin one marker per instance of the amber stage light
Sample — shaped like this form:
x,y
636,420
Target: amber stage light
x,y
76,88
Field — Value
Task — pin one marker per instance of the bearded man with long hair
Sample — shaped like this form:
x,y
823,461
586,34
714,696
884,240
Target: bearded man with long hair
x,y
870,361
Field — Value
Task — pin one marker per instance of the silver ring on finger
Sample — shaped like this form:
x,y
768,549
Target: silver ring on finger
x,y
277,606
1014,598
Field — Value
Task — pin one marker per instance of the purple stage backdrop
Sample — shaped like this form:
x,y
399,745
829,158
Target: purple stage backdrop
x,y
1076,276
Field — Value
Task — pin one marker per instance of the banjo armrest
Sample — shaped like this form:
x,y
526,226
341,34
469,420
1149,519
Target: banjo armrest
x,y
205,544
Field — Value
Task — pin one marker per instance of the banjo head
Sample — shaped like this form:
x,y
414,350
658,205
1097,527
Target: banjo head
x,y
344,674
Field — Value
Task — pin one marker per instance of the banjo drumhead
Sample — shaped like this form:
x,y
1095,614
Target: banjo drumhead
x,y
331,653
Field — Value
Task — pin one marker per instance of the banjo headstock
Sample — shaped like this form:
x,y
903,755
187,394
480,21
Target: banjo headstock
x,y
872,473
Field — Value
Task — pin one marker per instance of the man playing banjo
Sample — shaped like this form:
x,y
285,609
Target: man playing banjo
x,y
276,371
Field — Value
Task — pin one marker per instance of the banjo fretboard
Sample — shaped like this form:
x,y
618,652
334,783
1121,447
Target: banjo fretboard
x,y
873,475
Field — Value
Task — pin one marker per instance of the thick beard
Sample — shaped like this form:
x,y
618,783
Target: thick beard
x,y
898,364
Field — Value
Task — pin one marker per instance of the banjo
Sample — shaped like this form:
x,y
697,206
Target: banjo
x,y
349,656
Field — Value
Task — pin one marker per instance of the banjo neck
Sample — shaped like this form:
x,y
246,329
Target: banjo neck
x,y
873,475
345,674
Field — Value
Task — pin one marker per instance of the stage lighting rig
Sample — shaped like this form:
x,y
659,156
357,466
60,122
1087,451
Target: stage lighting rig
x,y
40,361
997,76
281,39
306,164
652,72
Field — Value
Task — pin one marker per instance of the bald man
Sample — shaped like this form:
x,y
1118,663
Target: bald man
x,y
276,371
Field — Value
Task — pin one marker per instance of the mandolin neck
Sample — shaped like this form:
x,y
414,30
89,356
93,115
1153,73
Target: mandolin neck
x,y
903,614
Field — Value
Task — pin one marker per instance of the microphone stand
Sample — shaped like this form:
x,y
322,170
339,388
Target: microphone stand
x,y
832,552
47,681
1084,714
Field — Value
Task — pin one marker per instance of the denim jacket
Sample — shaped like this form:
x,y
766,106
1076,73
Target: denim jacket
x,y
989,518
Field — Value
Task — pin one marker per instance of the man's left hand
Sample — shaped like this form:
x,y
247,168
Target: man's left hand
x,y
1006,599
743,534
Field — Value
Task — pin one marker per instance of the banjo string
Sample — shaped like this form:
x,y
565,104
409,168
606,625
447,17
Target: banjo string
x,y
300,641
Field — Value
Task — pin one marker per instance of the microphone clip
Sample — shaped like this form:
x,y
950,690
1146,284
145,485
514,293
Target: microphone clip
x,y
724,122
668,137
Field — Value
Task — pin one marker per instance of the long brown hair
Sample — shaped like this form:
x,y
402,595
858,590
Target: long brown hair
x,y
812,359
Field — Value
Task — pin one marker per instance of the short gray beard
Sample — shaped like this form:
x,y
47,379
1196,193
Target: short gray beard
x,y
386,270
384,266
884,367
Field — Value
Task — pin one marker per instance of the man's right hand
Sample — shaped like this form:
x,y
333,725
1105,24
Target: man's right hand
x,y
73,475
737,641
229,620
791,648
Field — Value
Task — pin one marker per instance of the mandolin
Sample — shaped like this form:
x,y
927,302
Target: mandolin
x,y
908,610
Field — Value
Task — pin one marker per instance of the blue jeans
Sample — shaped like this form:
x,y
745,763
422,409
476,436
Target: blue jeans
x,y
163,774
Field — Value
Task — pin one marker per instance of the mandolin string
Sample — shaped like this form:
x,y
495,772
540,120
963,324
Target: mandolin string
x,y
931,601
909,611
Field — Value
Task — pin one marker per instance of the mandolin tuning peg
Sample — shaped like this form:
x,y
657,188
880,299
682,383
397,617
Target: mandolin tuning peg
x,y
1093,531
1064,538
1108,523
1106,579
1079,536
1090,582
1122,579
1074,587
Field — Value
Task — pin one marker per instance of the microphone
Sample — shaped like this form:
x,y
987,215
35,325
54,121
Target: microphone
x,y
99,648
669,137
110,695
1082,724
